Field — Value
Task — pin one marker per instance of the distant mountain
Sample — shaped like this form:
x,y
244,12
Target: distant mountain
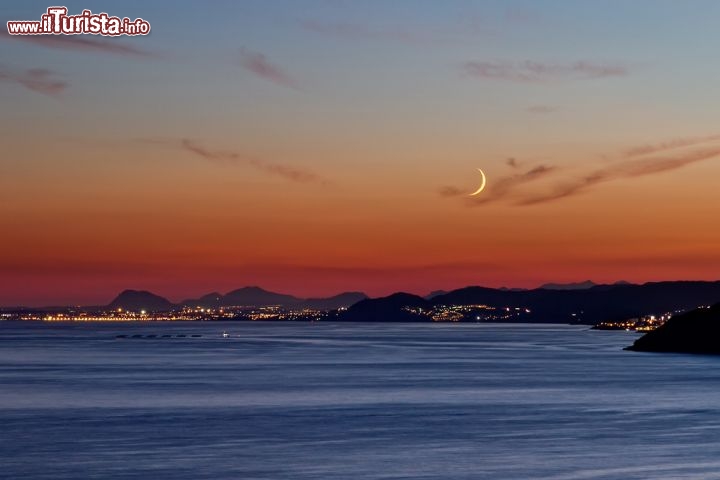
x,y
387,309
342,300
136,300
586,306
211,300
259,297
435,293
569,286
697,331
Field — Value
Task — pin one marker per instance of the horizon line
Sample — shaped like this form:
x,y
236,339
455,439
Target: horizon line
x,y
301,297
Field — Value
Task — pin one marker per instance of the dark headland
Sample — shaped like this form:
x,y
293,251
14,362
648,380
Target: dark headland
x,y
697,331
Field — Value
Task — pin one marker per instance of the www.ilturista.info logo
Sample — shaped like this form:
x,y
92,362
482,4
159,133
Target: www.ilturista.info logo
x,y
57,22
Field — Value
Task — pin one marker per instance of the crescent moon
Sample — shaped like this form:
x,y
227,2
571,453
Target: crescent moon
x,y
482,184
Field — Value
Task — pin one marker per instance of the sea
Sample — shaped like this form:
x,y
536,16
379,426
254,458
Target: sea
x,y
350,401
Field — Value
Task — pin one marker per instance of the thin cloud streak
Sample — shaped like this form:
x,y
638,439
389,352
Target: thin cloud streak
x,y
501,187
632,163
233,158
40,80
81,43
530,71
628,169
504,186
258,64
671,145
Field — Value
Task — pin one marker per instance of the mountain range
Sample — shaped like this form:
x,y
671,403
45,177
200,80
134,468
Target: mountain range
x,y
587,306
246,296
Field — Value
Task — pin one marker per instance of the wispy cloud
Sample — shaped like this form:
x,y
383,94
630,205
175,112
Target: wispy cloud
x,y
639,161
38,80
290,173
541,109
504,186
538,72
81,43
669,145
234,158
258,64
501,187
623,170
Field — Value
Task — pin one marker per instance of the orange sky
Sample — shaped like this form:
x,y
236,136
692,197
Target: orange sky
x,y
184,171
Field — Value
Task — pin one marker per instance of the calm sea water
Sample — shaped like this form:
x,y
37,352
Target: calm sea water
x,y
360,401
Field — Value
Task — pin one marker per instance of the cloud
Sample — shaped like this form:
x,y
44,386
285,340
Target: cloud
x,y
499,188
38,80
634,162
258,64
541,109
562,191
288,172
81,43
627,169
670,145
662,164
537,72
504,186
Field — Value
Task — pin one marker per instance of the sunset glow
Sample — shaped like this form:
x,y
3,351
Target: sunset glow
x,y
317,147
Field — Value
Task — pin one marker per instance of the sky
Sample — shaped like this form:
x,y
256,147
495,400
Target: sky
x,y
315,147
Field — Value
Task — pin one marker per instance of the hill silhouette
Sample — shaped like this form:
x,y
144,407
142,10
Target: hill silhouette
x,y
435,293
137,300
697,331
387,309
338,301
258,297
209,300
587,306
